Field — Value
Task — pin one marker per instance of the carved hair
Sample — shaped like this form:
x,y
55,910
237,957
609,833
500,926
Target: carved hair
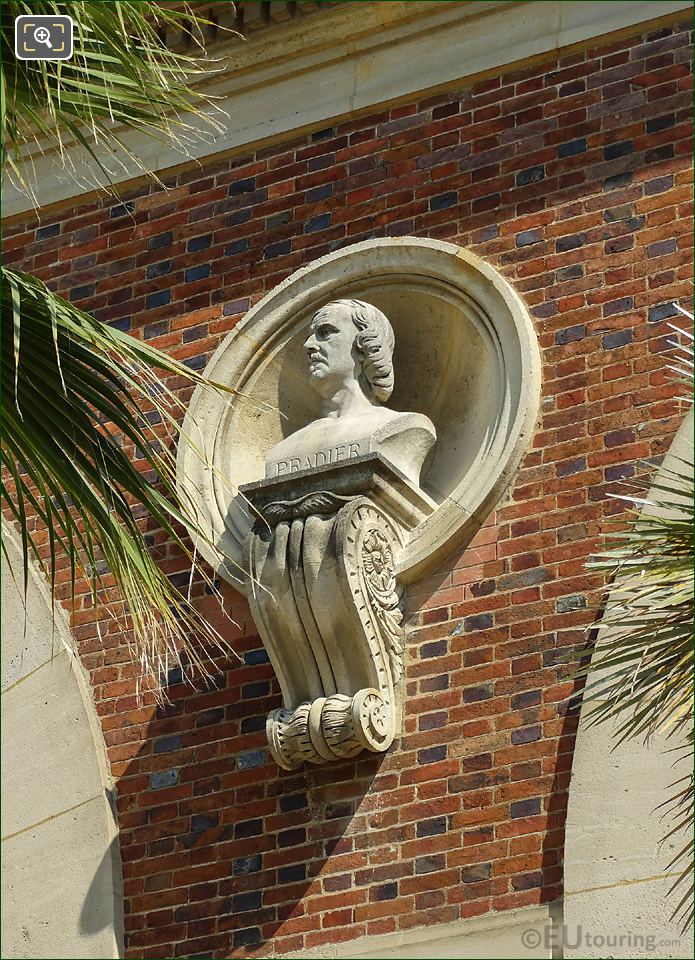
x,y
374,342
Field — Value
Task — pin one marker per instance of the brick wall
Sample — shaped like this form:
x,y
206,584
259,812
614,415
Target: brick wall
x,y
573,178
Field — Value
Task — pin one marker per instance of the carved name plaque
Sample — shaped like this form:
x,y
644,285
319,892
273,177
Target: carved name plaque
x,y
320,458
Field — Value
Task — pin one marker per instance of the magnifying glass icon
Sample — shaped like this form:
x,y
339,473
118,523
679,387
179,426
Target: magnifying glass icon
x,y
43,35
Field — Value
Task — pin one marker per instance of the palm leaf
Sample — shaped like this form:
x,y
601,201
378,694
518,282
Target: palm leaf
x,y
73,392
641,676
122,76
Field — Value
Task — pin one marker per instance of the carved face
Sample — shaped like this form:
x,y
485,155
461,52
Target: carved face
x,y
330,346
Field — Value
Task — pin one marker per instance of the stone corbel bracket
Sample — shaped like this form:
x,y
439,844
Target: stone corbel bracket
x,y
321,560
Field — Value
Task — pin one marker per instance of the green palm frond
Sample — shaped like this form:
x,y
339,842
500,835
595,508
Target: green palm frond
x,y
77,401
122,76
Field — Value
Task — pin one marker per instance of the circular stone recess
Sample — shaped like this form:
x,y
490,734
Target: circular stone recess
x,y
466,355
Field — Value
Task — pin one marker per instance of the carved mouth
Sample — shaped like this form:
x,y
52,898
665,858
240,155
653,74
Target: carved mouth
x,y
315,359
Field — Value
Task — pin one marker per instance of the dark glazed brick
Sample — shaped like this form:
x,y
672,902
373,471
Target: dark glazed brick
x,y
563,244
161,240
245,865
483,589
279,219
524,808
476,872
200,823
527,881
571,148
253,724
443,200
617,182
295,873
250,691
151,331
50,230
620,471
197,273
123,323
486,233
294,801
661,123
242,186
617,338
437,648
431,828
158,299
164,778
662,247
251,759
574,602
207,717
527,237
617,438
489,202
238,217
324,134
317,223
571,334
527,578
248,828
174,676
574,272
526,735
291,838
122,209
431,754
197,363
168,744
80,293
531,175
234,307
614,307
475,694
194,334
239,246
277,249
387,891
658,185
253,657
481,621
615,150
243,902
568,467
429,864
158,269
530,698
319,193
662,312
199,243
551,658
248,937
623,211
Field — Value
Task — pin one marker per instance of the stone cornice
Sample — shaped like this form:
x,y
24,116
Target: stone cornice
x,y
285,80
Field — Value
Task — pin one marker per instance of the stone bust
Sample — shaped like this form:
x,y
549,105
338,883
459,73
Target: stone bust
x,y
350,349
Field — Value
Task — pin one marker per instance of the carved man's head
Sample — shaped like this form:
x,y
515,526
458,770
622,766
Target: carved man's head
x,y
351,338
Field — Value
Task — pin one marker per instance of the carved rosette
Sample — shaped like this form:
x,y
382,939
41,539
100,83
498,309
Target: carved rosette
x,y
324,593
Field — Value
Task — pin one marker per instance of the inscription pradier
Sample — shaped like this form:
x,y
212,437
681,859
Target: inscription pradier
x,y
321,458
